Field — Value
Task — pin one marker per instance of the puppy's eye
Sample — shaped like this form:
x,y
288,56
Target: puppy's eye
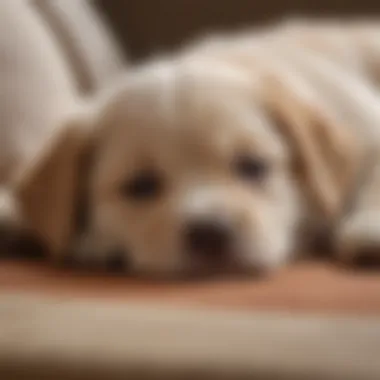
x,y
251,168
145,186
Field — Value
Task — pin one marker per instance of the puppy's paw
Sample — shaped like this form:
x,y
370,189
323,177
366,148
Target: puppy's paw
x,y
9,213
95,253
10,220
359,238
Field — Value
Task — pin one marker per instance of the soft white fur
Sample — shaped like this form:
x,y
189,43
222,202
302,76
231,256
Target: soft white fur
x,y
189,118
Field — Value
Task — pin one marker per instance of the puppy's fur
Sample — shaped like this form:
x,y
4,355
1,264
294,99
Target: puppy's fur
x,y
269,138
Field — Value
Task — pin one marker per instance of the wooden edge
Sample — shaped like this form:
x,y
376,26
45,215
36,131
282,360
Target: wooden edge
x,y
43,338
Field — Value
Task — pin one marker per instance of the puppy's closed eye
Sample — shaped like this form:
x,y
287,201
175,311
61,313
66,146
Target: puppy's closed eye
x,y
251,168
144,186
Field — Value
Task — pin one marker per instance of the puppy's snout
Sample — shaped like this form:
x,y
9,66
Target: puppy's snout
x,y
208,239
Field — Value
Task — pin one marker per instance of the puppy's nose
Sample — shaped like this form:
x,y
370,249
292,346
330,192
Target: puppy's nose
x,y
208,239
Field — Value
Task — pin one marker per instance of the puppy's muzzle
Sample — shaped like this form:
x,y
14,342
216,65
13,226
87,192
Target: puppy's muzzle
x,y
208,241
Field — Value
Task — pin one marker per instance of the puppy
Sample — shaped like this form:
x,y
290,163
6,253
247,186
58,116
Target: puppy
x,y
216,159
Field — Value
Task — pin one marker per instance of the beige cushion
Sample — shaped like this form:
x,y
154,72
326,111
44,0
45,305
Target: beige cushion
x,y
50,53
37,88
89,46
61,338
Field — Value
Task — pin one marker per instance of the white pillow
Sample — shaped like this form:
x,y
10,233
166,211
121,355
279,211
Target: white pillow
x,y
89,46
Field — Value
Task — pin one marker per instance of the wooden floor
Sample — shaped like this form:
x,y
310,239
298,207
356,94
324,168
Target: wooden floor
x,y
311,287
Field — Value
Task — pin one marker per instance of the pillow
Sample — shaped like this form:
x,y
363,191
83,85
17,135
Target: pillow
x,y
88,44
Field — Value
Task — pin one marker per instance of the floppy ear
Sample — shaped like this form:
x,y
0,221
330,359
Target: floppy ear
x,y
326,154
47,190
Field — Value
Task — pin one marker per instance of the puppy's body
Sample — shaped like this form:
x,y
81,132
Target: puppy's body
x,y
336,68
353,45
224,156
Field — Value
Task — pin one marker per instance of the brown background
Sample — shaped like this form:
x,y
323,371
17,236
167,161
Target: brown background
x,y
148,26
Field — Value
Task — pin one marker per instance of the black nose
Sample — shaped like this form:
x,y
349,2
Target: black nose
x,y
208,239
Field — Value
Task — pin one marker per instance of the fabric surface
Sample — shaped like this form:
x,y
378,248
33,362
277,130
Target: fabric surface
x,y
308,287
50,53
46,338
37,89
86,40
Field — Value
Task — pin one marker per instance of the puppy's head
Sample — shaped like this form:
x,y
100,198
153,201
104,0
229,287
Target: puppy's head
x,y
187,174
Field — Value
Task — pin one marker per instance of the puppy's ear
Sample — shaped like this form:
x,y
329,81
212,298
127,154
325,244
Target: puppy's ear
x,y
47,190
326,154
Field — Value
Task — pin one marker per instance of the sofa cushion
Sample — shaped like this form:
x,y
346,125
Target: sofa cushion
x,y
37,88
88,44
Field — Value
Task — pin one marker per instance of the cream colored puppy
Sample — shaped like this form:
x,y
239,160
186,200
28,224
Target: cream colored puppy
x,y
218,159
